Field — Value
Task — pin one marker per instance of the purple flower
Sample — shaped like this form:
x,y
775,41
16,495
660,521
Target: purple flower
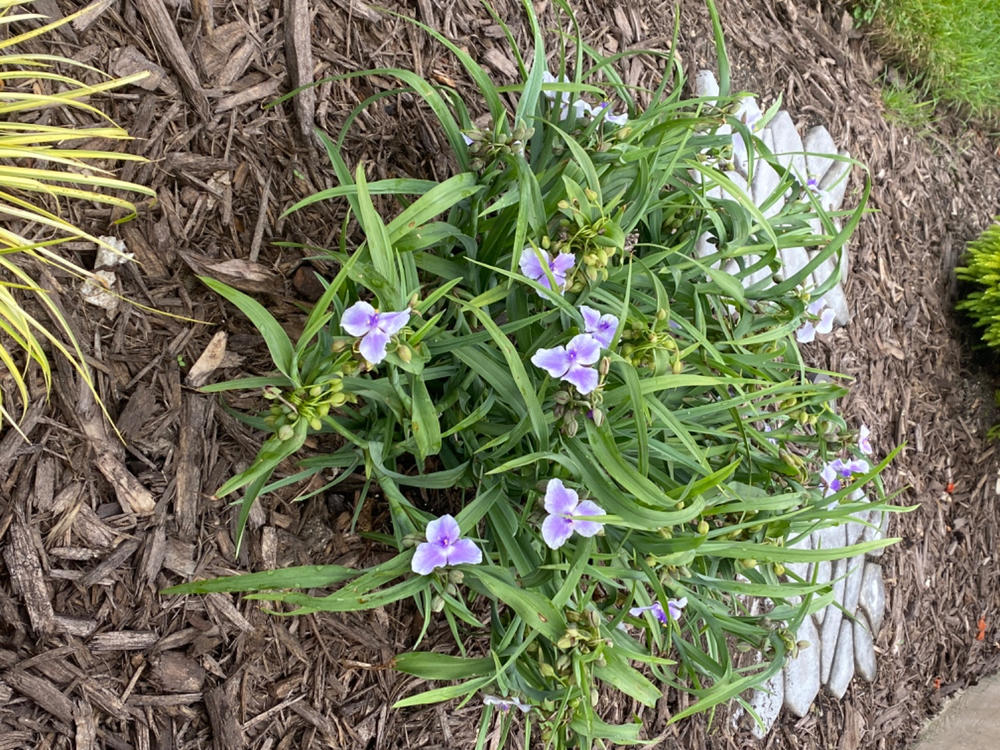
x,y
864,441
570,362
838,473
602,110
505,704
559,266
674,607
601,327
444,546
807,333
563,504
375,328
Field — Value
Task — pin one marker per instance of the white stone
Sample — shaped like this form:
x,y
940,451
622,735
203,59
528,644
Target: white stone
x,y
852,589
801,569
793,260
831,621
818,142
871,597
703,247
766,702
764,182
879,529
788,145
705,84
864,649
843,661
831,537
836,300
802,673
834,183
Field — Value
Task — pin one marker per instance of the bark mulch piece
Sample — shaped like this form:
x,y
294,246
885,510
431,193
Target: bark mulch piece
x,y
91,656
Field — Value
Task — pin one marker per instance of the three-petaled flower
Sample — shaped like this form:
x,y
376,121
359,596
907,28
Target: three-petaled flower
x,y
444,546
864,440
505,704
572,362
601,327
838,473
674,607
565,508
807,332
375,328
558,265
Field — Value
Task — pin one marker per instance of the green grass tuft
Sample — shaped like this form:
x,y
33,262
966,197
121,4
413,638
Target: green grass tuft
x,y
953,46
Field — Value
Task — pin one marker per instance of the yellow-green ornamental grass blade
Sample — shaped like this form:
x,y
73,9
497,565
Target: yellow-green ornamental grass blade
x,y
37,163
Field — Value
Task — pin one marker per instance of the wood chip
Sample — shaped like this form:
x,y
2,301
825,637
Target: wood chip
x,y
42,692
123,640
132,496
86,726
155,14
81,627
128,60
223,710
84,20
210,359
299,61
174,672
25,568
120,554
266,89
190,459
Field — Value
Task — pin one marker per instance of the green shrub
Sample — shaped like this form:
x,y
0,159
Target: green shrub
x,y
623,518
982,271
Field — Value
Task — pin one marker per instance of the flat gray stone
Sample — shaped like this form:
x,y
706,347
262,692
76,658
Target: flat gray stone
x,y
802,673
834,184
832,537
801,569
705,84
766,702
831,622
871,596
788,145
865,663
764,182
879,529
852,588
793,260
842,671
817,143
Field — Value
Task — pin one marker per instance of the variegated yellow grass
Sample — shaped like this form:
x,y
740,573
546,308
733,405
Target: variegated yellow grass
x,y
40,169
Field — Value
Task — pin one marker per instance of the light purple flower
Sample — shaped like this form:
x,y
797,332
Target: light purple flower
x,y
571,362
674,607
559,266
563,504
864,440
601,327
375,328
444,546
603,110
838,473
505,704
807,333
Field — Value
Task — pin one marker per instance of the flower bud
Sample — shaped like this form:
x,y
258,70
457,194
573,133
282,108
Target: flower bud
x,y
315,391
561,397
456,576
703,527
339,345
451,589
677,367
571,426
605,367
598,416
322,410
285,432
338,399
661,314
315,423
271,392
595,618
437,603
404,353
779,569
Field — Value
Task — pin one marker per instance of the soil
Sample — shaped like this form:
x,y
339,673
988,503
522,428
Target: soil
x,y
92,656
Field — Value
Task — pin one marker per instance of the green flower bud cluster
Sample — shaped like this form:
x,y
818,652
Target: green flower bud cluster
x,y
487,146
568,410
591,234
652,346
583,636
310,403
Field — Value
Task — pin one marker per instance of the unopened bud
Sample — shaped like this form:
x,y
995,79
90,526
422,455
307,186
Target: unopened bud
x,y
703,527
456,576
437,603
605,367
315,423
561,397
779,569
404,353
285,432
677,367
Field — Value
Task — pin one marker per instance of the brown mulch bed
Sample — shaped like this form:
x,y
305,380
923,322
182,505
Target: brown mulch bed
x,y
91,656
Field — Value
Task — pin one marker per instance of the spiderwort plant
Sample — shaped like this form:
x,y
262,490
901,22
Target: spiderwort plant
x,y
658,487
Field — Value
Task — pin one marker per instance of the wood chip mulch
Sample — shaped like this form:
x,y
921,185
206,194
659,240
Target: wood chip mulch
x,y
91,656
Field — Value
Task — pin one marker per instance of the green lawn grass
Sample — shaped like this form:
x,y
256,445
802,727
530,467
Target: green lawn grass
x,y
952,47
